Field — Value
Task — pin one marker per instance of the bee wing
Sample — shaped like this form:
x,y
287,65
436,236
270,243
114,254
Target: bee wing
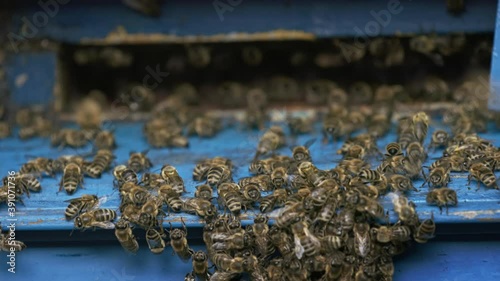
x,y
299,249
102,200
104,225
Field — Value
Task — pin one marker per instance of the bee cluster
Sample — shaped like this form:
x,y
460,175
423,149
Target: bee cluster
x,y
174,118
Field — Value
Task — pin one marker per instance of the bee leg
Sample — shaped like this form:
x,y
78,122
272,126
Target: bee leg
x,y
478,186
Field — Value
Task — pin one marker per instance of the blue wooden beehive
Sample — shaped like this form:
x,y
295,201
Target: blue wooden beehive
x,y
36,33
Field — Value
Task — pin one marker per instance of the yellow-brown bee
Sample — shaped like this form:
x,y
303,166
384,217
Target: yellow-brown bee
x,y
200,265
71,179
101,162
123,233
79,205
442,197
105,140
271,140
138,161
155,240
178,241
101,218
172,177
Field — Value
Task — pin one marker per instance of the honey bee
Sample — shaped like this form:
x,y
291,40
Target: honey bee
x,y
200,265
275,200
138,161
123,233
318,90
152,209
366,204
416,153
25,182
152,180
230,197
482,174
400,183
204,191
96,218
105,140
204,126
133,193
439,175
200,207
172,177
260,167
302,153
251,193
5,130
425,231
160,133
155,241
282,240
69,137
306,244
7,244
335,128
179,242
362,91
27,132
279,177
198,56
122,175
79,205
300,124
99,164
282,88
72,178
406,132
271,140
235,241
442,197
200,170
60,163
170,197
38,166
334,266
420,125
393,149
405,210
218,174
386,234
439,139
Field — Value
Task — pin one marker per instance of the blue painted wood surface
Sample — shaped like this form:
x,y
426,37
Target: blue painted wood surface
x,y
45,210
494,100
31,77
95,19
435,261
